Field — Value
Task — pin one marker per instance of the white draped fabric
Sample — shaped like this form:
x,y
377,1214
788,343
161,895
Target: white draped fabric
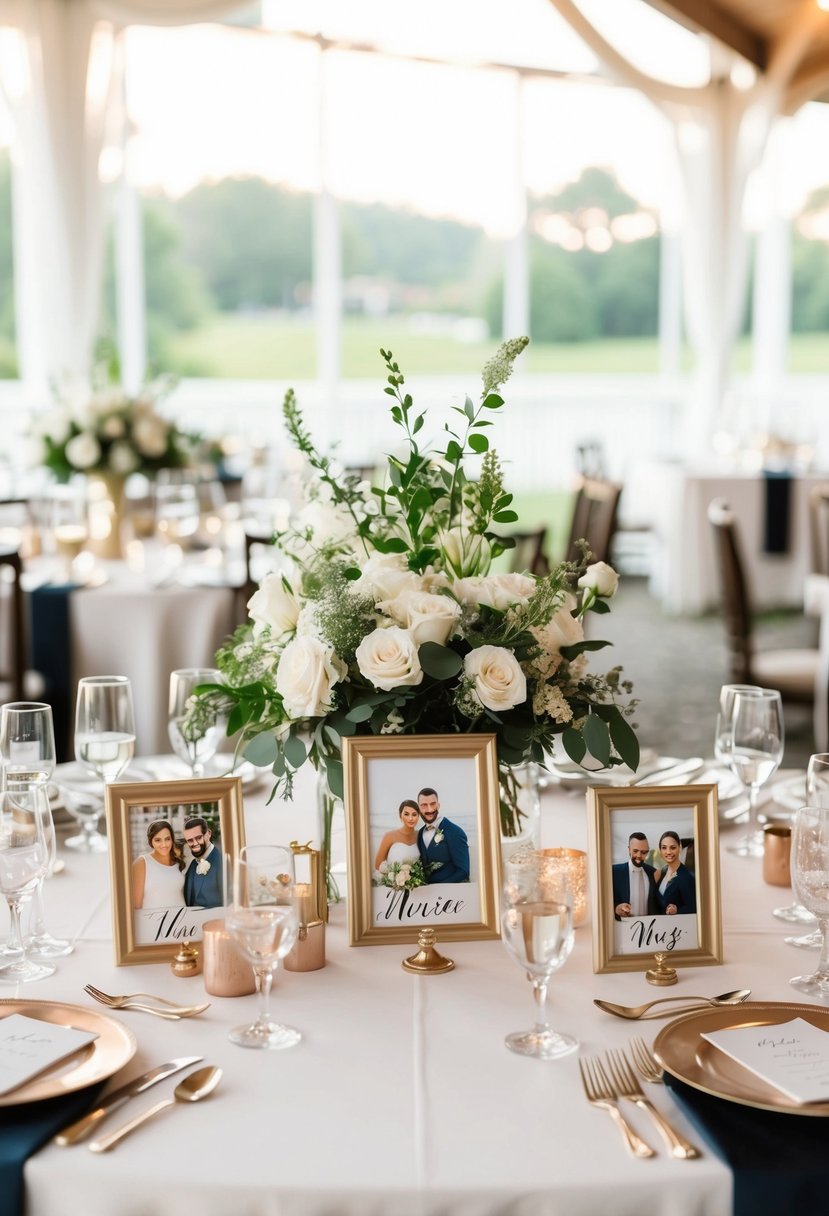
x,y
57,71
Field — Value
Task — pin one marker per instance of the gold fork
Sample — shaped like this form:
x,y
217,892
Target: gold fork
x,y
628,1086
601,1094
646,1062
173,1012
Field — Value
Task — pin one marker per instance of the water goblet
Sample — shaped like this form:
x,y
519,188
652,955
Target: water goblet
x,y
817,794
537,928
104,744
810,878
70,524
754,755
194,729
24,860
176,511
723,732
27,754
262,918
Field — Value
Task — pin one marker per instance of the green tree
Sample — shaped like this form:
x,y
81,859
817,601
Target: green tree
x,y
8,361
810,272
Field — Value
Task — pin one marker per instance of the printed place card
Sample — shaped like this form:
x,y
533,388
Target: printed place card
x,y
28,1046
792,1056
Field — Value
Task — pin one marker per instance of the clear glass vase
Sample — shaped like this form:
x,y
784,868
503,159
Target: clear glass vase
x,y
330,832
520,807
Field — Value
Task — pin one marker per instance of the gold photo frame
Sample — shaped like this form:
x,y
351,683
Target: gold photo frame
x,y
663,842
159,905
451,780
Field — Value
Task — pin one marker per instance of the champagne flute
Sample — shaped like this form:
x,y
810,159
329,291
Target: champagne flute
x,y
817,794
194,729
537,928
262,918
810,878
104,744
24,859
756,749
27,754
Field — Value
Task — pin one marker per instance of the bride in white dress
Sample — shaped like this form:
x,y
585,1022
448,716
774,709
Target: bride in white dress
x,y
401,844
158,876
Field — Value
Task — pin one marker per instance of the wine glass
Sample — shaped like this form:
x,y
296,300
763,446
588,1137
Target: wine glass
x,y
723,733
27,754
756,749
810,878
537,928
194,729
176,510
104,744
262,918
817,794
70,523
24,860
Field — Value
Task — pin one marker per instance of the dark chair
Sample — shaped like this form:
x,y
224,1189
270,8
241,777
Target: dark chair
x,y
528,556
792,672
595,514
12,624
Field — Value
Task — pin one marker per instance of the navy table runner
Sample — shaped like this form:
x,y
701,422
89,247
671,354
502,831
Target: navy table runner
x,y
51,656
777,487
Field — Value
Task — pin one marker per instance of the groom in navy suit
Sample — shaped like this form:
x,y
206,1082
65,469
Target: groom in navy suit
x,y
203,879
441,841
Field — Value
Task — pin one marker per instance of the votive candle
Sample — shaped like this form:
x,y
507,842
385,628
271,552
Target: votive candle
x,y
572,863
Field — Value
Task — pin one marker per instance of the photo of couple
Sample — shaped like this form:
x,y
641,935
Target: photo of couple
x,y
667,888
171,873
426,848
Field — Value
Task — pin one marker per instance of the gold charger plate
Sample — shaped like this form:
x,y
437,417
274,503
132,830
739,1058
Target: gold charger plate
x,y
113,1048
690,1058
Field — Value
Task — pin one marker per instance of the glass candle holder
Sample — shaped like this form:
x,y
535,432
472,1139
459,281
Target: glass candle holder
x,y
573,865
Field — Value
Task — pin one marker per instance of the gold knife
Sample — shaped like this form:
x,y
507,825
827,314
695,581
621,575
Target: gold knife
x,y
81,1127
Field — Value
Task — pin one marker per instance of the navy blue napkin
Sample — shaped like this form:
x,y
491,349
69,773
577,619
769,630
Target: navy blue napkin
x,y
49,633
23,1129
778,487
780,1162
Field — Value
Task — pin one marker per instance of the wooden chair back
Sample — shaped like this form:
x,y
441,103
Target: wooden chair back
x,y
13,622
736,599
595,516
819,529
528,554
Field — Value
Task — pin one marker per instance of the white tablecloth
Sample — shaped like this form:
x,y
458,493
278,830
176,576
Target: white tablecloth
x,y
401,1097
685,572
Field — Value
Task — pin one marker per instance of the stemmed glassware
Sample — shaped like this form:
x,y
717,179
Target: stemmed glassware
x,y
817,794
262,918
24,860
810,878
104,744
70,523
722,731
27,755
194,736
537,928
754,748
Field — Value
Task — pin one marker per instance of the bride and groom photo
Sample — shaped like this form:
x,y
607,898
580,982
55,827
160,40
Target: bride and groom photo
x,y
427,847
179,865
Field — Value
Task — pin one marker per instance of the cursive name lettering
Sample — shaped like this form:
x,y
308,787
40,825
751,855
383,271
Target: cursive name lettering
x,y
171,924
401,906
642,934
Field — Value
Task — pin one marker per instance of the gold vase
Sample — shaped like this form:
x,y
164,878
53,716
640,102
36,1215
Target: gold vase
x,y
106,511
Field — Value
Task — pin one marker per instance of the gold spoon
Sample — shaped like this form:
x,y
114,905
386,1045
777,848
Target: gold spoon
x,y
693,1002
192,1089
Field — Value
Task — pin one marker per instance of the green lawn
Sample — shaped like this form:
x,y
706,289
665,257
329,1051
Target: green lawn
x,y
266,347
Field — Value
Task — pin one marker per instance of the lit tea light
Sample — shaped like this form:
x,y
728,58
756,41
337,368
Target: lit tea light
x,y
572,863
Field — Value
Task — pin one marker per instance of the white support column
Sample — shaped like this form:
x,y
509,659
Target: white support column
x,y
131,300
772,301
327,258
670,304
516,309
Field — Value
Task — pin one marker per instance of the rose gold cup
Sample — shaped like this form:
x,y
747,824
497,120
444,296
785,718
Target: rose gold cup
x,y
777,852
226,971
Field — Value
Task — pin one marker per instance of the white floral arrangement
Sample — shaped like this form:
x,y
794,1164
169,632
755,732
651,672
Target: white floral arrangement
x,y
389,619
402,875
97,427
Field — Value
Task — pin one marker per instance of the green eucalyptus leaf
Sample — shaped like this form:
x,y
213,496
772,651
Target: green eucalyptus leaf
x,y
574,744
262,750
334,775
599,606
439,662
597,738
469,408
625,741
478,443
454,451
572,652
493,402
279,765
294,750
505,517
360,713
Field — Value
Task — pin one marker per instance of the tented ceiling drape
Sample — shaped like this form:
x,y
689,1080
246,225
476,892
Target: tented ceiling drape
x,y
57,70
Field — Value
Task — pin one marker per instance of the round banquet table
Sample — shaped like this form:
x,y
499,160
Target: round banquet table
x,y
401,1096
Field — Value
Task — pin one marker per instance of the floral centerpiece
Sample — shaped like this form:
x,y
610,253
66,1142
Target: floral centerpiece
x,y
388,618
96,427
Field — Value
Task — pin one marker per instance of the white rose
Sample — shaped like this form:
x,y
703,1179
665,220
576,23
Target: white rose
x,y
328,523
563,630
388,658
499,681
122,458
55,424
428,618
83,451
274,605
385,576
465,552
600,578
150,435
308,670
496,590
